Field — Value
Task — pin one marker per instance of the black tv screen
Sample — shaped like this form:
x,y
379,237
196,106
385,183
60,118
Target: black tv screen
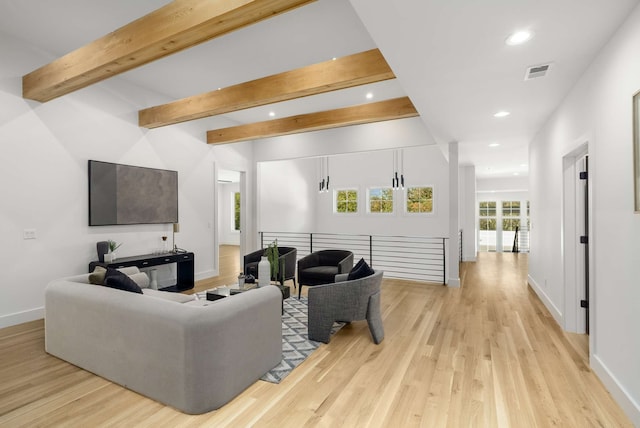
x,y
125,194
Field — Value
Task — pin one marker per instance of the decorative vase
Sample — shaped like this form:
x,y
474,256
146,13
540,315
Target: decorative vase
x,y
103,248
264,272
108,258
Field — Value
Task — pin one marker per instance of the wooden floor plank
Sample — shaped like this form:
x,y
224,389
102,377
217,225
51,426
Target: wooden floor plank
x,y
488,354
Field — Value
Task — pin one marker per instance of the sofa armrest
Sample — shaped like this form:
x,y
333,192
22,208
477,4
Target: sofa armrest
x,y
289,260
253,257
341,277
346,264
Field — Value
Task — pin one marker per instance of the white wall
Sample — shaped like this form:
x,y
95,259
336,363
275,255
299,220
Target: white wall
x,y
44,174
351,139
503,184
226,206
287,192
289,198
598,111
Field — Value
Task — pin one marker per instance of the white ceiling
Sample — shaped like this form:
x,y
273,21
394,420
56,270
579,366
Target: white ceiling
x,y
449,56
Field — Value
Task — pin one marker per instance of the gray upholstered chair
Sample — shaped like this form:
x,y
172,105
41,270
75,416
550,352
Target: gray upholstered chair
x,y
346,301
287,258
321,267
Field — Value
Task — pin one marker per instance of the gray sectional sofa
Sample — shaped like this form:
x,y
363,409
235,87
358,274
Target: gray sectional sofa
x,y
193,355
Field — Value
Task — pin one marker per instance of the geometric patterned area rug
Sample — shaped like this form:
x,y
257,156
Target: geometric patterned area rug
x,y
296,346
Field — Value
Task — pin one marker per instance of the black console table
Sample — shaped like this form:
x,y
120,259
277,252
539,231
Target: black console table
x,y
184,263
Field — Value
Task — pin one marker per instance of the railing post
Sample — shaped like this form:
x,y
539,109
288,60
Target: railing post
x,y
311,243
371,250
261,239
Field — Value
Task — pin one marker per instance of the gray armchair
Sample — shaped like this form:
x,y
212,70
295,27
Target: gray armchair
x,y
287,259
321,267
346,301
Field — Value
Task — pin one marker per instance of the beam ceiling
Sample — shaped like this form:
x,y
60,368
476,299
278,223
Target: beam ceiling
x,y
397,108
176,26
353,70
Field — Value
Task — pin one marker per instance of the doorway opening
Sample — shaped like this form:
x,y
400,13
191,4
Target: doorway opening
x,y
576,250
231,221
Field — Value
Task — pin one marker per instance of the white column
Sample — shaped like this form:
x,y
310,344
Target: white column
x,y
454,225
468,213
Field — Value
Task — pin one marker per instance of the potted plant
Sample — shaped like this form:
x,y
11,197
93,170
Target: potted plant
x,y
113,246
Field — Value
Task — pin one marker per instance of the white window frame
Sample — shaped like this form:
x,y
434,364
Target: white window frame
x,y
335,200
405,201
393,201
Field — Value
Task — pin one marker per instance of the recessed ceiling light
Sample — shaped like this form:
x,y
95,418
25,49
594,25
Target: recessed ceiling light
x,y
518,38
501,114
494,144
272,114
524,165
516,173
369,95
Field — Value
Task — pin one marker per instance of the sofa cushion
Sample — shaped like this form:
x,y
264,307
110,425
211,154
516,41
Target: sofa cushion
x,y
360,270
167,295
115,279
320,274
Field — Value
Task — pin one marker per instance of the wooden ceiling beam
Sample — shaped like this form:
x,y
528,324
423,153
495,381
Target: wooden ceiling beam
x,y
353,70
176,26
397,108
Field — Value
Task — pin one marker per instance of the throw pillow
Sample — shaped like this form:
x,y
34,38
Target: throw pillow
x,y
97,276
116,279
358,265
360,270
140,278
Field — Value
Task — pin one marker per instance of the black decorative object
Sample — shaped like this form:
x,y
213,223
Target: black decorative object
x,y
103,248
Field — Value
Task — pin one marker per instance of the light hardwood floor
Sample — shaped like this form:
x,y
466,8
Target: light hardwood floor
x,y
485,355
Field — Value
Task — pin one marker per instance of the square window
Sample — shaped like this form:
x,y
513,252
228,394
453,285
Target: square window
x,y
420,199
346,201
381,200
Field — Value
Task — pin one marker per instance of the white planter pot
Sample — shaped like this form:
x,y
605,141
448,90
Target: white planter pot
x,y
264,272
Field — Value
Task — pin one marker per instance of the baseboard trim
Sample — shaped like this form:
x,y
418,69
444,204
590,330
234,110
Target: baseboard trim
x,y
453,282
21,317
553,309
630,407
206,274
469,258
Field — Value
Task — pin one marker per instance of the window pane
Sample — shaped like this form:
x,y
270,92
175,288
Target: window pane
x,y
381,200
491,209
487,224
510,224
511,208
236,212
346,201
420,199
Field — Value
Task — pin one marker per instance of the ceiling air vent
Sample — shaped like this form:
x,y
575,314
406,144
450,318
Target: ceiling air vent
x,y
537,71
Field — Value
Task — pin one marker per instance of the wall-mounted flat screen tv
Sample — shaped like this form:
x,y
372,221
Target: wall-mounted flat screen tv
x,y
125,194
